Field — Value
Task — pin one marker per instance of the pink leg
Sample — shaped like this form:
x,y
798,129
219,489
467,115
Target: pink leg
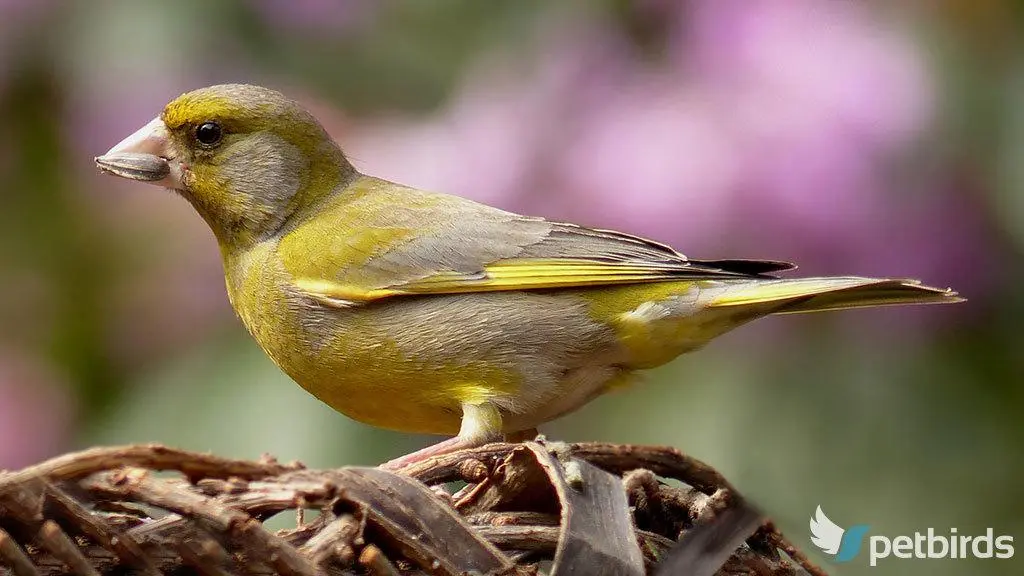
x,y
450,445
481,423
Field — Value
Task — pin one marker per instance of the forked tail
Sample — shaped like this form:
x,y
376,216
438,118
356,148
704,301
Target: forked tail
x,y
832,293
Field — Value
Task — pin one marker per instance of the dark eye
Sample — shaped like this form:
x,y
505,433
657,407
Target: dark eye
x,y
209,133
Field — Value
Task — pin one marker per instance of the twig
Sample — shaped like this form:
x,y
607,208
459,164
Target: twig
x,y
151,456
335,542
57,542
207,557
102,511
706,548
123,544
138,483
376,563
776,538
662,460
12,555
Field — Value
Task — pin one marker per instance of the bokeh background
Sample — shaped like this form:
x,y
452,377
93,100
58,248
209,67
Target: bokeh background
x,y
873,138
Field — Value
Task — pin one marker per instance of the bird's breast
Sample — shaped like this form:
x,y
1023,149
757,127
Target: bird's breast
x,y
362,361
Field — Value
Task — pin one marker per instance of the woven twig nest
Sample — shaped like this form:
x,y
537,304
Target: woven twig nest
x,y
586,509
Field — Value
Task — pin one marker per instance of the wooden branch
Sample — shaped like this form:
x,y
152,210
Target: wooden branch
x,y
151,456
595,509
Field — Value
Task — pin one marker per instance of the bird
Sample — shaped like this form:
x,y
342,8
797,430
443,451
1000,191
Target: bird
x,y
430,313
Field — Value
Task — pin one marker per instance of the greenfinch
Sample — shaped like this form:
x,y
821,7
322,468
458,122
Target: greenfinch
x,y
429,313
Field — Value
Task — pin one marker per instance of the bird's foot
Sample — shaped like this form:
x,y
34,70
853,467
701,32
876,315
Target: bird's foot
x,y
446,447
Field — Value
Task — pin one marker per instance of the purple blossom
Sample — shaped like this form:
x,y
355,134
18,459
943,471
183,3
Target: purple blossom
x,y
767,130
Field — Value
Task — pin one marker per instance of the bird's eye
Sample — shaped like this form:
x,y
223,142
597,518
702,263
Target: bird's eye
x,y
209,133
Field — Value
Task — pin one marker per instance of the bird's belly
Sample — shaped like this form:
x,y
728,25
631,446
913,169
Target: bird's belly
x,y
578,387
338,356
362,375
409,364
418,383
425,398
376,395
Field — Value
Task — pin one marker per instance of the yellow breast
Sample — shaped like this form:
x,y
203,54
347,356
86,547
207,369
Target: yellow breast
x,y
344,358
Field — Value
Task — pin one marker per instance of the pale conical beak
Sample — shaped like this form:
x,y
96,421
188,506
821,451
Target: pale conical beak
x,y
147,155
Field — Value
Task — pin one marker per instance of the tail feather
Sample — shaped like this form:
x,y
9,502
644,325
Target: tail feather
x,y
835,293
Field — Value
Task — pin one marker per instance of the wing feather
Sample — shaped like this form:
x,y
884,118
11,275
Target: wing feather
x,y
463,247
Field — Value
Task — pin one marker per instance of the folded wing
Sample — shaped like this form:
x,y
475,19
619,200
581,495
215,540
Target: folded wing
x,y
435,244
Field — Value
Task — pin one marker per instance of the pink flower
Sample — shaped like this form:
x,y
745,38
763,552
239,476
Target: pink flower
x,y
767,130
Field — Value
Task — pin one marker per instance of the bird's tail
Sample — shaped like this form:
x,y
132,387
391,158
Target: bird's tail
x,y
831,293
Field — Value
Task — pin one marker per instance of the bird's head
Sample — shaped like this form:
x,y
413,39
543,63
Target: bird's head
x,y
245,157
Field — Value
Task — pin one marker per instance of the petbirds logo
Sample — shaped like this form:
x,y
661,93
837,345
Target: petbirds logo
x,y
845,543
832,539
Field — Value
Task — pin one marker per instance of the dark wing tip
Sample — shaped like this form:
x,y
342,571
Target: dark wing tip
x,y
747,267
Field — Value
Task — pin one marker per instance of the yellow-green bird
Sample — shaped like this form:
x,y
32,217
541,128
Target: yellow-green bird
x,y
430,313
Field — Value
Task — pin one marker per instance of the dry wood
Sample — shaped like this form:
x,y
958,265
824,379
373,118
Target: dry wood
x,y
593,509
597,536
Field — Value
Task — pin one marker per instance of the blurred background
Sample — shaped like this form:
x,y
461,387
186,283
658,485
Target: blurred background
x,y
872,138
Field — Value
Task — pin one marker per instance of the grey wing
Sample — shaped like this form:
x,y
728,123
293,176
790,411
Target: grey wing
x,y
458,240
572,241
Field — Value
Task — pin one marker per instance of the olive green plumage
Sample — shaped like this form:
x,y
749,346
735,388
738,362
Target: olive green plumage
x,y
431,313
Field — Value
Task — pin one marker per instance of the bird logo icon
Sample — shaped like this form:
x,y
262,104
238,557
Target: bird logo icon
x,y
833,539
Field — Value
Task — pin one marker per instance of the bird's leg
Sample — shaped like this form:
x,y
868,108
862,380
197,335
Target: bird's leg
x,y
481,423
522,435
444,447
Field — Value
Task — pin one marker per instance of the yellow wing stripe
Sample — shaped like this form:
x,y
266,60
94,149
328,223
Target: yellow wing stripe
x,y
838,293
756,293
507,275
